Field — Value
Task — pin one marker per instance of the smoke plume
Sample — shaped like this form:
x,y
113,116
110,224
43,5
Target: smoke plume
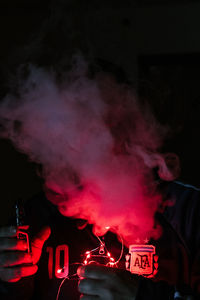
x,y
97,146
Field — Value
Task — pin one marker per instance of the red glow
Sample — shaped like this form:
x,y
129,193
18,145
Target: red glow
x,y
65,268
143,260
111,145
112,259
59,271
50,261
99,254
112,264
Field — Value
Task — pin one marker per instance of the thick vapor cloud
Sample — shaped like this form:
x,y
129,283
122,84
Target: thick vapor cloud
x,y
97,146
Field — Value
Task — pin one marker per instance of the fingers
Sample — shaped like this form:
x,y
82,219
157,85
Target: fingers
x,y
89,297
95,272
16,273
106,283
13,258
9,231
96,289
39,240
13,244
97,281
90,286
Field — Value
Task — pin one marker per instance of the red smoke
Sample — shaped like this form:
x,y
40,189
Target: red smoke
x,y
98,148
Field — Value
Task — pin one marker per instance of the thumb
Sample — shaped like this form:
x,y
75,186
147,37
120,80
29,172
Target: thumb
x,y
38,242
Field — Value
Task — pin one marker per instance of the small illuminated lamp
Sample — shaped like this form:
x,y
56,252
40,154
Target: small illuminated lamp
x,y
99,255
112,259
59,271
91,258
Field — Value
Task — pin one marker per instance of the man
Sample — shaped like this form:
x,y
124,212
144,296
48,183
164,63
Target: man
x,y
178,250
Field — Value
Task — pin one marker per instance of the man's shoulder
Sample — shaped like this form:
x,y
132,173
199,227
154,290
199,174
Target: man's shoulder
x,y
183,211
180,187
182,196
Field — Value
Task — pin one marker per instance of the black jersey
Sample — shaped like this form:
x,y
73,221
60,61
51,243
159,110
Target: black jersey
x,y
178,250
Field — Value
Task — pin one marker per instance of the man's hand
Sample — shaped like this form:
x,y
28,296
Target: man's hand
x,y
15,262
99,282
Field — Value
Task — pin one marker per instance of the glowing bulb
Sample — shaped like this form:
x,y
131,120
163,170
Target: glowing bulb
x,y
108,254
112,259
88,256
107,227
59,271
85,262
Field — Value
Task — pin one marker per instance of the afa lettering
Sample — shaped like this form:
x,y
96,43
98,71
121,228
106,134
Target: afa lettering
x,y
142,261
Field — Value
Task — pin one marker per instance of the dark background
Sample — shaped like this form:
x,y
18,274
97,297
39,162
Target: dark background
x,y
157,44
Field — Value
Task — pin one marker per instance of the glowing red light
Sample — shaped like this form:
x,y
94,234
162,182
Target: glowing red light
x,y
100,255
59,271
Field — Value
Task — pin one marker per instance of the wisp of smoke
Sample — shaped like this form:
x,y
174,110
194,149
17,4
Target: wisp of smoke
x,y
97,147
